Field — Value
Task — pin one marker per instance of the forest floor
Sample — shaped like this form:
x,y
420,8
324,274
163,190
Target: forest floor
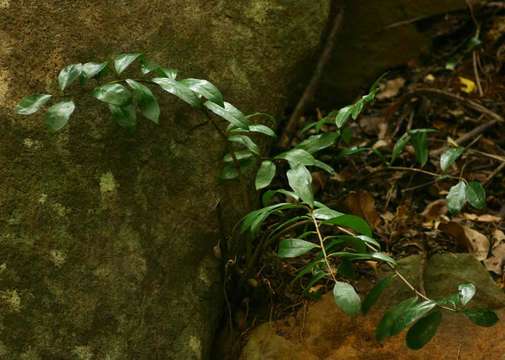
x,y
459,93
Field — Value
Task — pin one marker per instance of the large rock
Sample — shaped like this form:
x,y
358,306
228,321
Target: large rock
x,y
106,236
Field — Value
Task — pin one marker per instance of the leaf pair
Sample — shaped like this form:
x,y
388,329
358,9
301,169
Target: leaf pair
x,y
57,116
461,193
418,139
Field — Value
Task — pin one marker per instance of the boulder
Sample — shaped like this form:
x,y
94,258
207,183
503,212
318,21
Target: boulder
x,y
106,234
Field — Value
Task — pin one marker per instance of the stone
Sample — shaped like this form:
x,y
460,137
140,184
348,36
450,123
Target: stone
x,y
323,332
107,235
377,36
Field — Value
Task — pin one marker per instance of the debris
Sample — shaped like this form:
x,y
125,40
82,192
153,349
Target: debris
x,y
467,85
391,89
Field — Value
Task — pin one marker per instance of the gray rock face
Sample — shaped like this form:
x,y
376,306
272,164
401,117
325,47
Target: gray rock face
x,y
107,235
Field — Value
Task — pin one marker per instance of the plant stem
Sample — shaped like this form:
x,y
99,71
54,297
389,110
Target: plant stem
x,y
321,242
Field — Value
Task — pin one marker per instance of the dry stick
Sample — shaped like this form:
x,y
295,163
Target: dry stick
x,y
321,241
310,90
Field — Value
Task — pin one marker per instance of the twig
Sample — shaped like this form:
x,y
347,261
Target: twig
x,y
494,173
476,73
310,90
321,242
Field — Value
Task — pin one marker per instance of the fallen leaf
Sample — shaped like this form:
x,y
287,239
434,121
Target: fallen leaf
x,y
362,204
496,261
391,89
467,85
486,218
476,243
435,209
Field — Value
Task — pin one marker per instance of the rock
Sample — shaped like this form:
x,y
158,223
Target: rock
x,y
107,236
367,46
324,332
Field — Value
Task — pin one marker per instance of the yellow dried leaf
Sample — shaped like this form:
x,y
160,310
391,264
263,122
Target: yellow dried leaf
x,y
467,85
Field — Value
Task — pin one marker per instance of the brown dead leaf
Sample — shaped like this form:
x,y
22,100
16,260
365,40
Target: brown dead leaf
x,y
486,218
391,89
362,204
435,209
476,243
496,261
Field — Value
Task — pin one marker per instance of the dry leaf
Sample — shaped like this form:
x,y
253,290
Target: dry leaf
x,y
435,209
391,89
362,204
486,218
476,243
467,85
496,261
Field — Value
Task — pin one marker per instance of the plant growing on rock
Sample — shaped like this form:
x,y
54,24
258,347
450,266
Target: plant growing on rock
x,y
332,240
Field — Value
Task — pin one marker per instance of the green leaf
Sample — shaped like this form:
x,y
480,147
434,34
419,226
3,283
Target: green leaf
x,y
452,300
291,248
423,330
148,66
420,143
125,116
239,155
466,293
383,257
229,113
357,109
356,223
297,157
481,317
399,146
346,298
252,222
265,174
375,293
115,94
124,60
31,104
205,89
68,75
384,329
319,142
262,129
476,194
449,157
410,315
300,180
168,72
90,70
246,141
343,115
146,101
57,116
456,198
178,89
326,213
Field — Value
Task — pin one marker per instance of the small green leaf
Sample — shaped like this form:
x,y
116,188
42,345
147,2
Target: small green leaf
x,y
375,293
383,257
481,317
90,70
326,213
300,180
265,174
399,146
410,315
343,115
291,248
262,129
449,157
384,329
423,330
124,60
68,75
125,116
205,89
420,143
239,155
57,116
297,157
252,222
168,72
246,141
319,142
354,222
456,198
115,94
229,113
347,298
148,66
180,90
466,293
146,101
476,194
31,104
452,300
357,109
